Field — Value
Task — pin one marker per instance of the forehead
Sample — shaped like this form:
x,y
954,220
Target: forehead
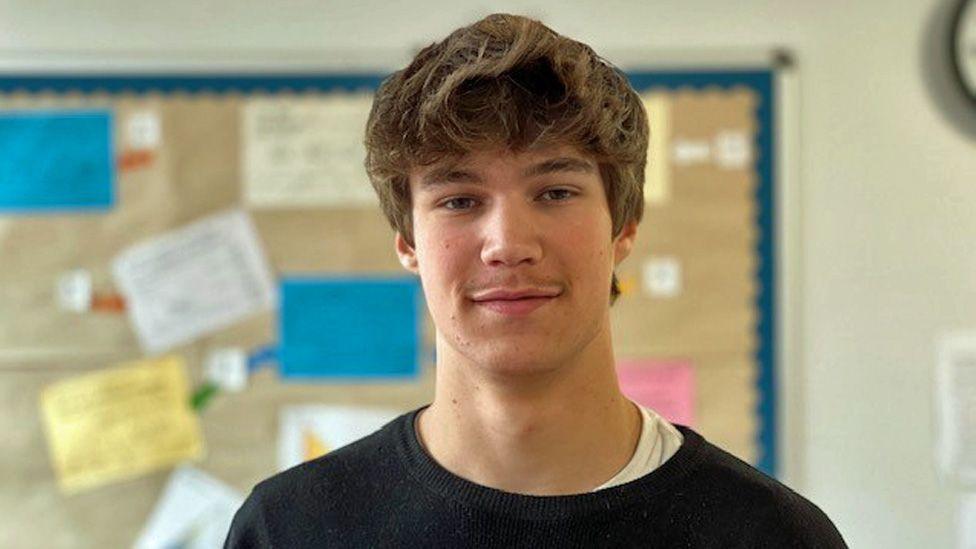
x,y
475,166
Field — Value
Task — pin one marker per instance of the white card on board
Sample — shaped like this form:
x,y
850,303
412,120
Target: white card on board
x,y
143,130
733,149
227,368
74,290
662,277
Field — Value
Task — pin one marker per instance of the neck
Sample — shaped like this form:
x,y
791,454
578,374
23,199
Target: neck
x,y
564,430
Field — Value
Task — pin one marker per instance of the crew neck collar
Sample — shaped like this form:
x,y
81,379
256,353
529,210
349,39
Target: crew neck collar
x,y
434,477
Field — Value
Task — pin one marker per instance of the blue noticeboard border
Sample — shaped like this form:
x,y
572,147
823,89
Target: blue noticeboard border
x,y
760,80
188,83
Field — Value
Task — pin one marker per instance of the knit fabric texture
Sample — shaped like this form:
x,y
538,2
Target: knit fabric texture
x,y
386,491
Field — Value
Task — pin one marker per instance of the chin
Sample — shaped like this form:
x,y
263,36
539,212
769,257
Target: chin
x,y
515,363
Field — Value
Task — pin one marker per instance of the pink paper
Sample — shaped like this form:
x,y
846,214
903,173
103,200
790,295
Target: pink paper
x,y
666,386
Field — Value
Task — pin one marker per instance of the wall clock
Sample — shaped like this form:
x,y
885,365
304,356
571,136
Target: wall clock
x,y
962,44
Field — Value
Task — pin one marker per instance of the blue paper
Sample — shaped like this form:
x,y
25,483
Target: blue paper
x,y
57,160
350,328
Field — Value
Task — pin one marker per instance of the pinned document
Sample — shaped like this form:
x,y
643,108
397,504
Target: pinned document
x,y
195,280
120,422
301,152
57,160
350,328
966,521
307,432
668,387
955,402
657,173
195,511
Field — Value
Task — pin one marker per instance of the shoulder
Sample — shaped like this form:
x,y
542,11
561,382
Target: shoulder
x,y
323,491
746,503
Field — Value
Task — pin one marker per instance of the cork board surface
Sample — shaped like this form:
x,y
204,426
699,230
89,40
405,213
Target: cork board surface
x,y
707,222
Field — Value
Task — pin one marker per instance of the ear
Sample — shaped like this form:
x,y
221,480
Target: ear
x,y
624,242
406,253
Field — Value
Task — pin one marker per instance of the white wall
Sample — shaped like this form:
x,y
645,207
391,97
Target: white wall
x,y
888,193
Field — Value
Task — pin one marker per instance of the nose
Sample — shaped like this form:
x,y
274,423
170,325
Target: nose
x,y
511,235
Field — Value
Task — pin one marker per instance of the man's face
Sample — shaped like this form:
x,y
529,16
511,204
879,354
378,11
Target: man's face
x,y
515,255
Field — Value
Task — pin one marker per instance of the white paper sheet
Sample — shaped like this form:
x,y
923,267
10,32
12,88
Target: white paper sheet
x,y
301,152
966,521
194,511
195,280
306,432
955,401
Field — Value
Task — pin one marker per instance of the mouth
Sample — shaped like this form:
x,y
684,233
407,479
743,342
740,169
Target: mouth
x,y
514,304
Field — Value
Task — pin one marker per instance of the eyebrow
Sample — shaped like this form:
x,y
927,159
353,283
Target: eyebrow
x,y
451,173
558,165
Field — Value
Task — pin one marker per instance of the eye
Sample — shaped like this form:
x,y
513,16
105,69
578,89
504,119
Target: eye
x,y
558,195
459,203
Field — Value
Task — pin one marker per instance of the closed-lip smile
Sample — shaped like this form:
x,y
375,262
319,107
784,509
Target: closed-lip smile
x,y
515,303
510,295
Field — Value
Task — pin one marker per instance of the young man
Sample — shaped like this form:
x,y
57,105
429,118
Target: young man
x,y
510,161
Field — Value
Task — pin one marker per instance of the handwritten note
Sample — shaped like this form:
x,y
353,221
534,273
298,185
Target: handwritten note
x,y
300,152
195,280
120,422
668,387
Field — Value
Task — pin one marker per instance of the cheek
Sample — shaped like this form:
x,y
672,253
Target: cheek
x,y
588,254
442,262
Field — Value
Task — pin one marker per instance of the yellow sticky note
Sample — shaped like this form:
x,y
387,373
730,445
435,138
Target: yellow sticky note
x,y
119,423
657,174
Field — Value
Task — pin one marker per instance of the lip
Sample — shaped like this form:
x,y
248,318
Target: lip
x,y
515,303
500,294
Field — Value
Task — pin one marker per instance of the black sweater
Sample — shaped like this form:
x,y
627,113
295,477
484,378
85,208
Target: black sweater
x,y
386,491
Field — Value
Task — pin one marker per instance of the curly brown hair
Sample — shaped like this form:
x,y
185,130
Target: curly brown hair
x,y
506,81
